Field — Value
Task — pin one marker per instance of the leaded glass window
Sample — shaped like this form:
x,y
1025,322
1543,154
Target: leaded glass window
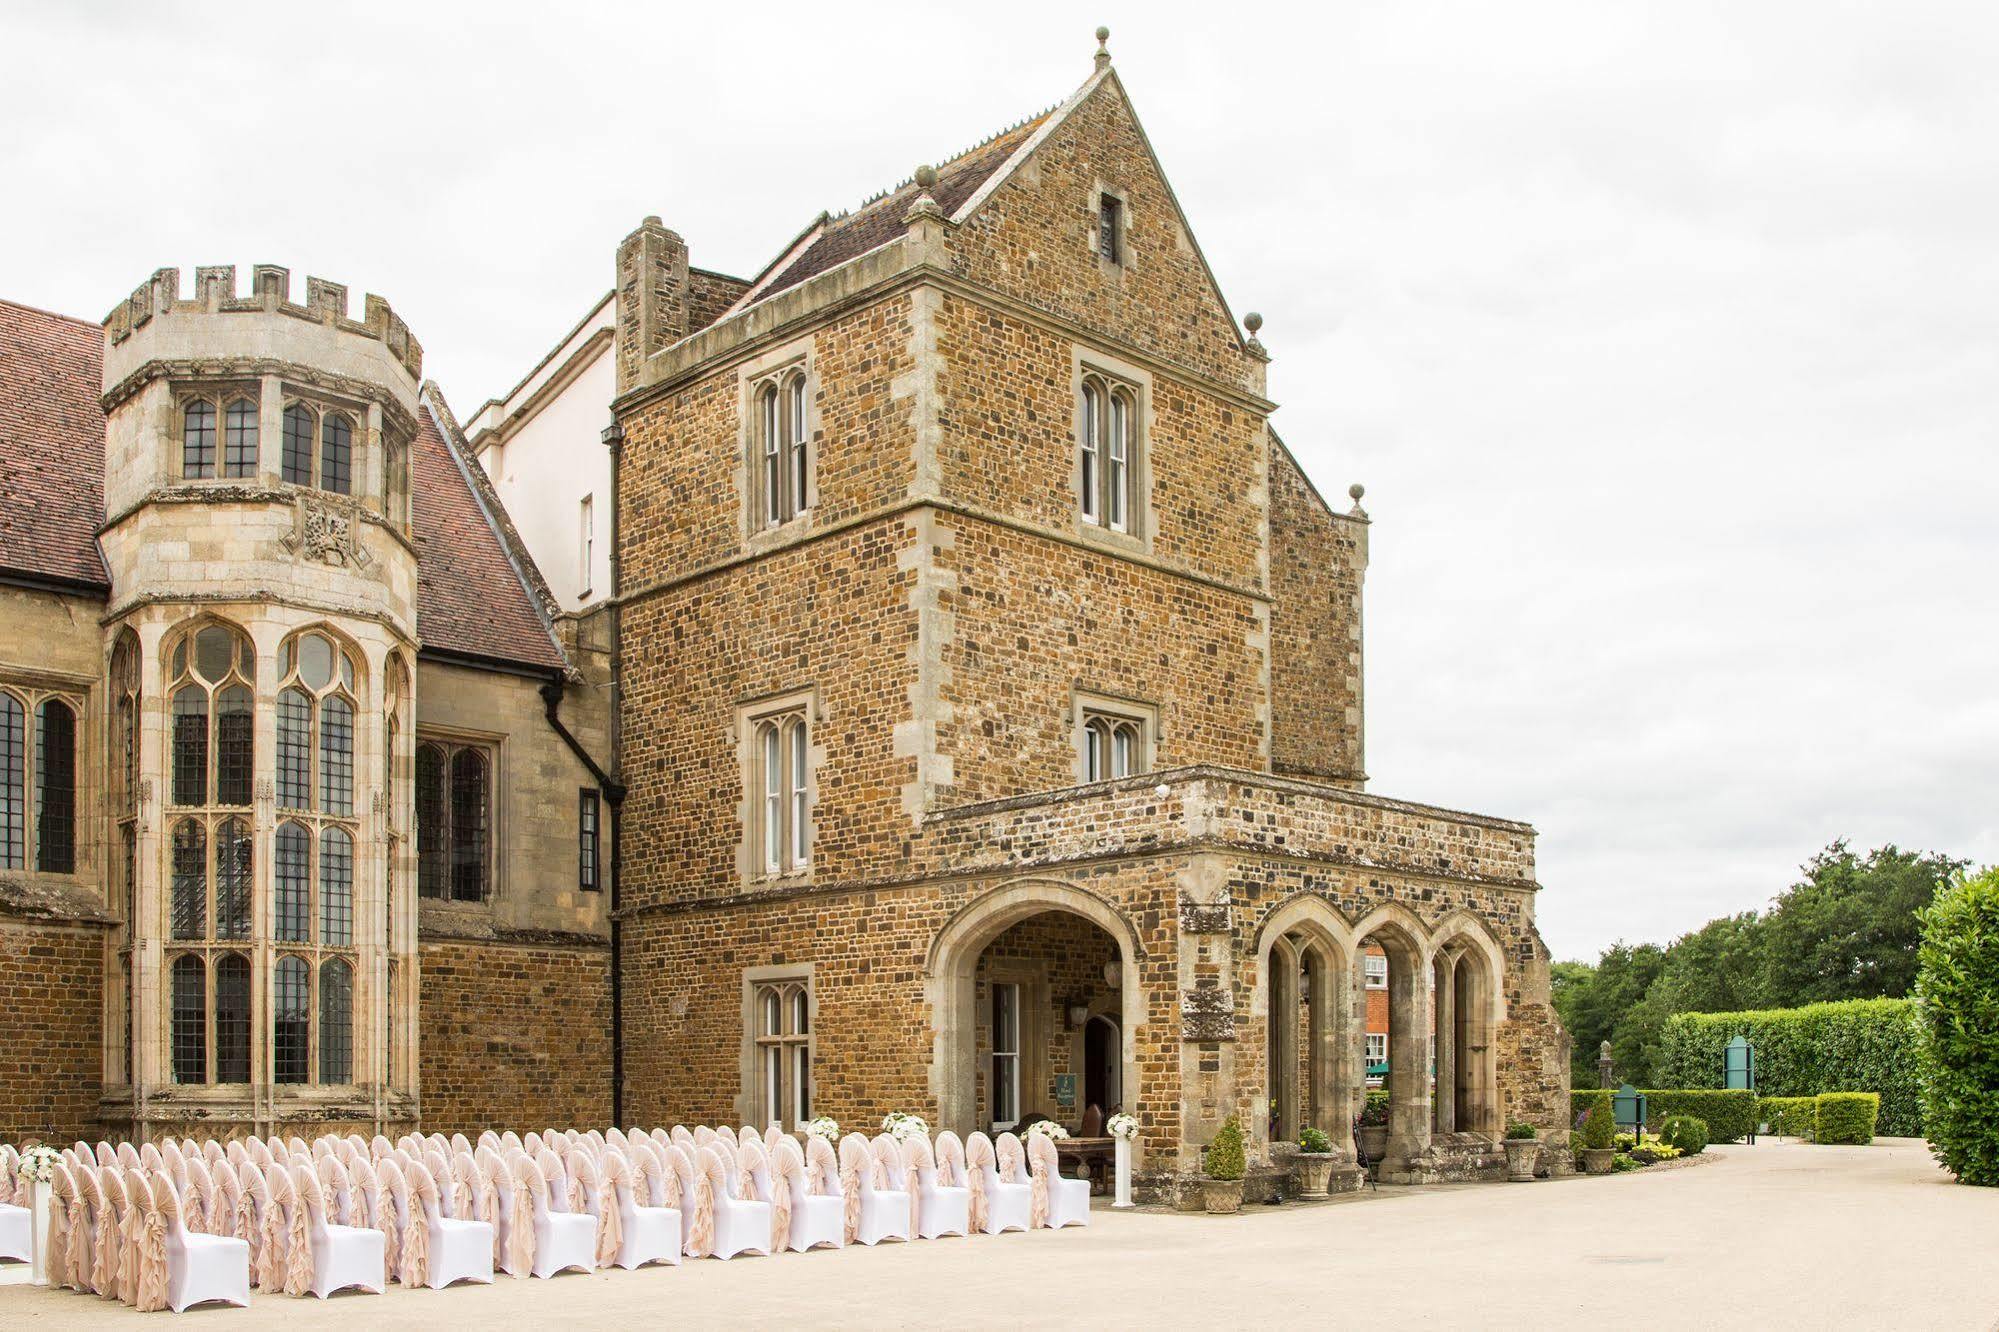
x,y
291,1020
190,1019
232,1018
197,439
336,1021
239,439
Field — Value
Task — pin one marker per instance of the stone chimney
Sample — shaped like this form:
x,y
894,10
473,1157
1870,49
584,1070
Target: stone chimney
x,y
652,297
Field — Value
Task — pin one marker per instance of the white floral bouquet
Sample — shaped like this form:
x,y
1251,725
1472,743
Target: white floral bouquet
x,y
904,1127
1123,1126
1047,1128
38,1165
824,1128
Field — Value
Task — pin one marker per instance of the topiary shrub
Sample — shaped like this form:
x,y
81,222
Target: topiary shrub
x,y
1867,1043
1223,1158
1684,1132
1730,1115
1598,1124
1846,1117
1790,1116
1957,987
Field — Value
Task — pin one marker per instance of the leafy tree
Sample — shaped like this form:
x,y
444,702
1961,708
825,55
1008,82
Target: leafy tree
x,y
1850,929
1598,1008
1958,1009
1719,968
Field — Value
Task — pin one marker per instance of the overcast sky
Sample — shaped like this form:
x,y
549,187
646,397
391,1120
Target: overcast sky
x,y
1664,337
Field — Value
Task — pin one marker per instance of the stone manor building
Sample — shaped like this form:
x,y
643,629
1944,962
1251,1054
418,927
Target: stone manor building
x,y
915,676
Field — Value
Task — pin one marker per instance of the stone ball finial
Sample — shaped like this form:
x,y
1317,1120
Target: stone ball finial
x,y
1103,36
1253,322
1103,47
926,177
652,220
1356,490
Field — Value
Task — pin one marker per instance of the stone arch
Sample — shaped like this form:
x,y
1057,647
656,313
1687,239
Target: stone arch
x,y
1325,949
1471,1004
953,959
1402,935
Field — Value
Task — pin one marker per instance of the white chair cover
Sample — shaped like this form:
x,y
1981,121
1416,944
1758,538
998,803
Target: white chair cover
x,y
200,1268
875,1211
734,1225
941,1208
1005,1203
816,1218
456,1248
1058,1202
342,1257
647,1233
562,1239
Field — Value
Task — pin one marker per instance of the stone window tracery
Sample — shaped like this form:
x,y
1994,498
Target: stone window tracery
x,y
219,417
37,781
1108,452
453,821
318,447
780,782
1114,738
784,1052
781,445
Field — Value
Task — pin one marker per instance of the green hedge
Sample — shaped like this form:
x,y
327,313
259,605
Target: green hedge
x,y
1730,1115
1846,1117
1856,1043
1789,1116
1958,981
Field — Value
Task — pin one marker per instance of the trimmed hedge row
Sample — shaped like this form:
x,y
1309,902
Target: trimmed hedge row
x,y
1789,1116
1729,1115
1869,1043
1846,1117
1959,1014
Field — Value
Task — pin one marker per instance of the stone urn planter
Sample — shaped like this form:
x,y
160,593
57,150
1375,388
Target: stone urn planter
x,y
1221,1197
1522,1155
1311,1172
1596,1160
1374,1141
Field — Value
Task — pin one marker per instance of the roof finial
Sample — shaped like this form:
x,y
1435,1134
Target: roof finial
x,y
1356,490
923,205
1103,48
1254,323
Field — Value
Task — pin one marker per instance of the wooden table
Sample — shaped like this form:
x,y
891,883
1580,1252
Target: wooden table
x,y
1091,1158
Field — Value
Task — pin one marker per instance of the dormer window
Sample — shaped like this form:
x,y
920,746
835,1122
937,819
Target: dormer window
x,y
198,456
319,448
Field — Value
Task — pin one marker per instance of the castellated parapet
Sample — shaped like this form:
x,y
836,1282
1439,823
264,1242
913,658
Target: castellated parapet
x,y
259,447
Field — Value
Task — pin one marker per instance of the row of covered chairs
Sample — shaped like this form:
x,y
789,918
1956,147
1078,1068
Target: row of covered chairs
x,y
188,1222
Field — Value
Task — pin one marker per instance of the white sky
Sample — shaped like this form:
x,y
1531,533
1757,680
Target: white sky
x,y
1665,337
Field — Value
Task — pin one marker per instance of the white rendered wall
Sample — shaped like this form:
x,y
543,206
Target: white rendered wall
x,y
549,464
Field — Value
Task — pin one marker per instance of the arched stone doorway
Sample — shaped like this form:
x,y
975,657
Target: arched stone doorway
x,y
1017,981
1399,937
1302,957
1470,1004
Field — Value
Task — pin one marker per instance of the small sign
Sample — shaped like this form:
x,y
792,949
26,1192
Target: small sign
x,y
1065,1089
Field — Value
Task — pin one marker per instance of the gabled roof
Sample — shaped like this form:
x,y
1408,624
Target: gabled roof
x,y
479,593
831,241
51,447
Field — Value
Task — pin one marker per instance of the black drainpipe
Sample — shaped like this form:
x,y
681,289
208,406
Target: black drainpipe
x,y
614,796
614,440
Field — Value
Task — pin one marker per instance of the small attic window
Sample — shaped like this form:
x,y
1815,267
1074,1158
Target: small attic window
x,y
1110,228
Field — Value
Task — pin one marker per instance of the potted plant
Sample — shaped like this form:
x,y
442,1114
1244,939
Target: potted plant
x,y
1374,1127
1224,1165
1523,1152
1312,1167
1599,1130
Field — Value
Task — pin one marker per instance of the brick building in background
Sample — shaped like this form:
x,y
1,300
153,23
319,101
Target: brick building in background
x,y
964,708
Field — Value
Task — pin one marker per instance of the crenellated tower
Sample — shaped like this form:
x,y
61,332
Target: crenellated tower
x,y
260,640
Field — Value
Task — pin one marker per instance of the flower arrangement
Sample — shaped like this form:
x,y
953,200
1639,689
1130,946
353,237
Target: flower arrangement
x,y
904,1127
1047,1128
38,1165
825,1128
1122,1126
